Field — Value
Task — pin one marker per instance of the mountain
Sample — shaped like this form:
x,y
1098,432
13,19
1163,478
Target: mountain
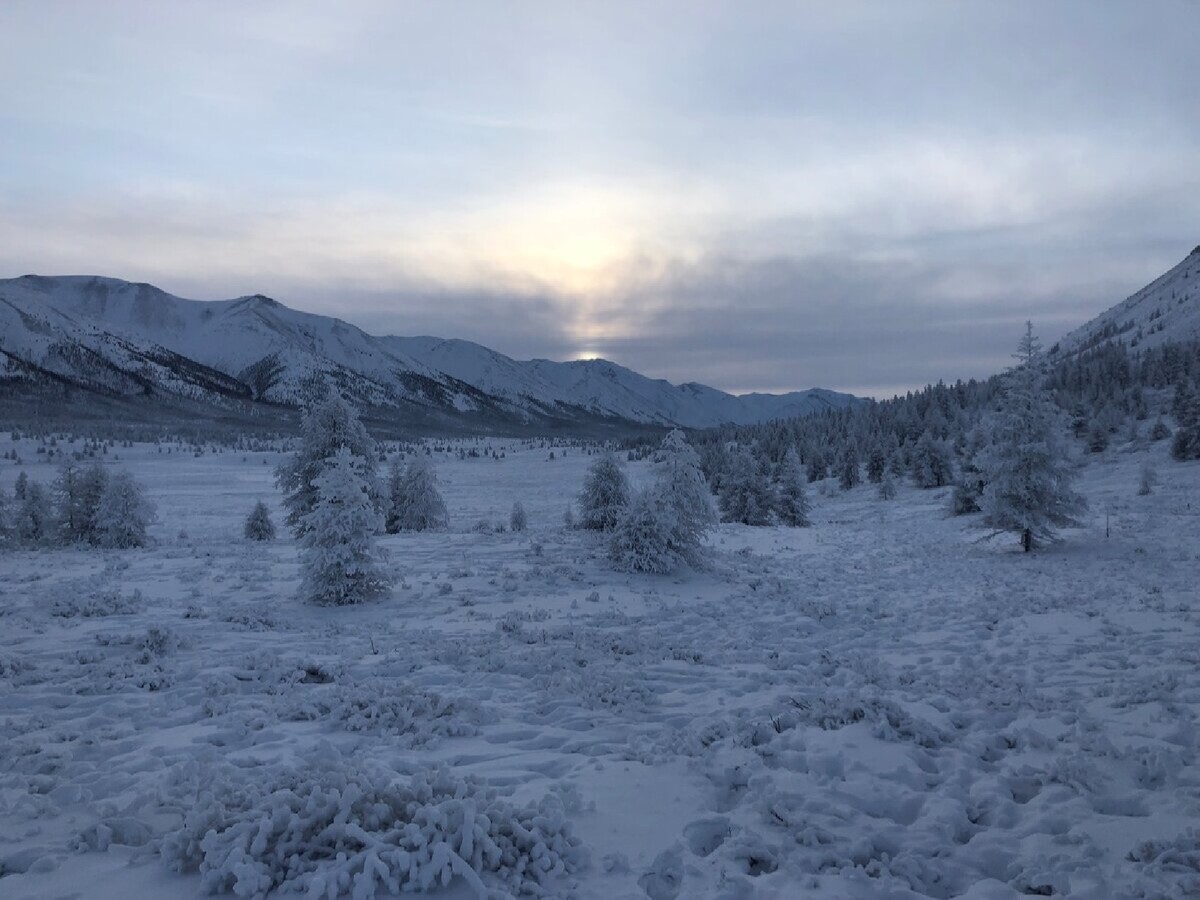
x,y
1165,311
117,339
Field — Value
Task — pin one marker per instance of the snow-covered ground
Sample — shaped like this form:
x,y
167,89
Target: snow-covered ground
x,y
879,706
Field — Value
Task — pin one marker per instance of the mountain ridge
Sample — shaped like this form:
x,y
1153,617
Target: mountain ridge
x,y
123,338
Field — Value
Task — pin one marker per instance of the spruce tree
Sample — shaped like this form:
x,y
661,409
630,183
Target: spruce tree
x,y
517,519
1027,467
604,496
124,513
339,559
792,505
33,522
259,526
745,495
415,502
328,425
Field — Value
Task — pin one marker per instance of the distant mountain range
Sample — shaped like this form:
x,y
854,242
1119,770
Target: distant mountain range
x,y
1167,310
81,337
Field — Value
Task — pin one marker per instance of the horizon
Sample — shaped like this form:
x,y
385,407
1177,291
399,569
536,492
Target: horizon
x,y
800,198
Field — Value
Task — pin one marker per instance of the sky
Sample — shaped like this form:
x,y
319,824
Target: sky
x,y
760,196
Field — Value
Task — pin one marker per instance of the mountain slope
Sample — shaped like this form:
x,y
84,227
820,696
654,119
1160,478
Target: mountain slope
x,y
1164,311
125,339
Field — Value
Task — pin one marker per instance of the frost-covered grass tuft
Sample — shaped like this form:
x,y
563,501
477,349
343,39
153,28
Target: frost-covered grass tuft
x,y
333,827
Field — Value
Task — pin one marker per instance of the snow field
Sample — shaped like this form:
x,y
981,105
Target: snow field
x,y
879,706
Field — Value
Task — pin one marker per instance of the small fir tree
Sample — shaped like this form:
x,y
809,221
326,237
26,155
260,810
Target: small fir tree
x,y
604,496
329,424
745,495
339,559
415,501
259,526
124,513
517,519
792,505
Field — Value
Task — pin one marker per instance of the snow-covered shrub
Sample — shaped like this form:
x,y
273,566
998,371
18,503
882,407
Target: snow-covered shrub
x,y
415,502
123,514
329,424
792,506
259,526
518,520
1147,480
108,602
339,559
604,495
336,827
395,711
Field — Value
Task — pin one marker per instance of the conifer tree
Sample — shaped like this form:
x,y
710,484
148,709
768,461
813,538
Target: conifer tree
x,y
1027,467
259,526
604,496
339,559
517,519
329,424
33,522
792,505
124,513
745,491
415,501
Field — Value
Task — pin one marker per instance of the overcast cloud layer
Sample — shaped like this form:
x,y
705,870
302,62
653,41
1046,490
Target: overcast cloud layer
x,y
759,196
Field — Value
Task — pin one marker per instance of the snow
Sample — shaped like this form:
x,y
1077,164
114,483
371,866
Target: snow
x,y
881,705
1165,311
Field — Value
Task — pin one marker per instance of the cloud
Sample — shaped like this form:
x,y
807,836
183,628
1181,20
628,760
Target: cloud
x,y
864,196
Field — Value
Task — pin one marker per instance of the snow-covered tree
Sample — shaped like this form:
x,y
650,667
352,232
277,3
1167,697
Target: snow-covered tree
x,y
1027,466
792,505
1147,480
605,494
684,487
33,522
745,490
517,519
887,487
77,492
415,502
329,424
932,464
6,514
663,527
123,514
643,540
848,472
876,462
259,526
967,496
339,559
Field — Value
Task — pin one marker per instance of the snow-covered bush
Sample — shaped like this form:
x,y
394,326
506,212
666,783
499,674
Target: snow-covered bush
x,y
123,514
336,827
259,526
1147,480
518,520
605,494
329,424
792,506
415,502
339,559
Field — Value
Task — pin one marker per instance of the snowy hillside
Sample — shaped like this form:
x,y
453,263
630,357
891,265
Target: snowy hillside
x,y
1165,311
132,339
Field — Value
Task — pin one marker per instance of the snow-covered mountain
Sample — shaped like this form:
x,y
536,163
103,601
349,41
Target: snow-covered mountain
x,y
1164,311
124,339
